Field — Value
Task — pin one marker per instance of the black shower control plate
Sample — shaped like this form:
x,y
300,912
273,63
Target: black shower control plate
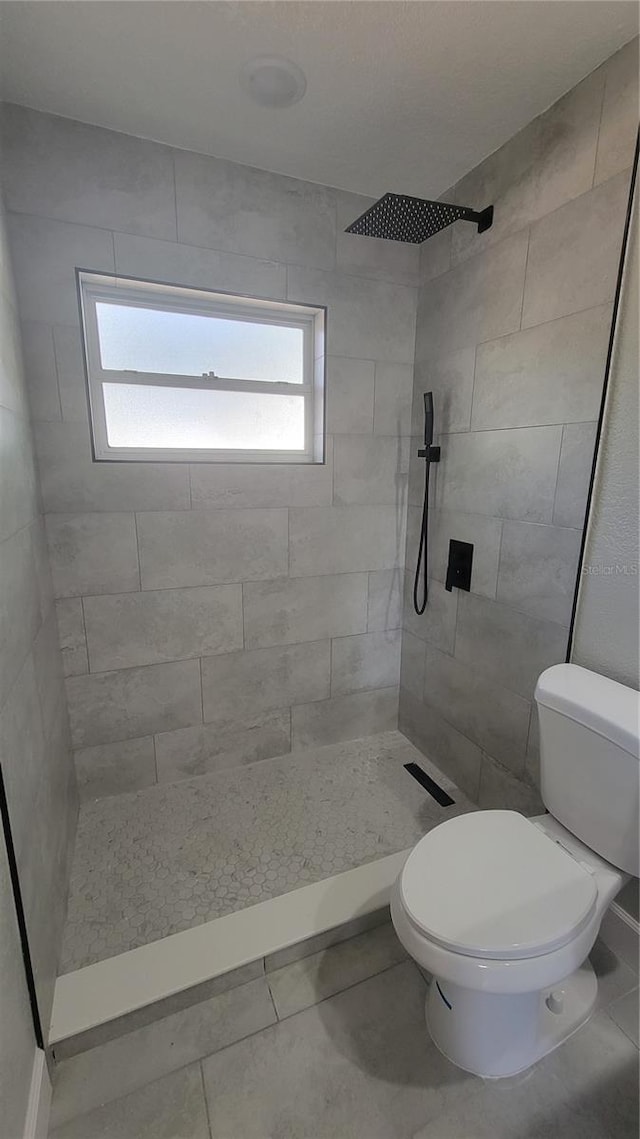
x,y
459,565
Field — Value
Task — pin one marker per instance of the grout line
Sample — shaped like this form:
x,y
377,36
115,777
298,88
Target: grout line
x,y
600,118
204,1096
557,479
272,998
524,280
201,690
55,364
175,194
135,526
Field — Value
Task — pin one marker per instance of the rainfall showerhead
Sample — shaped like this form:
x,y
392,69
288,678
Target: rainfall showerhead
x,y
397,217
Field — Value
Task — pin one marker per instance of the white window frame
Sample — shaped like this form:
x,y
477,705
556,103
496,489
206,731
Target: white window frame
x,y
99,287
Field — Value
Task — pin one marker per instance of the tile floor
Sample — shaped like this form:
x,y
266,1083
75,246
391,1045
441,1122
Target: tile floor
x,y
154,862
360,1065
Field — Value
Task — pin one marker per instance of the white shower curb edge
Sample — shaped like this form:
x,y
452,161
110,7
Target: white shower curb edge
x,y
109,989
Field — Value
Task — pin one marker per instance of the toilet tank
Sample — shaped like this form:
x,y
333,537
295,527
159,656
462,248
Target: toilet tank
x,y
590,760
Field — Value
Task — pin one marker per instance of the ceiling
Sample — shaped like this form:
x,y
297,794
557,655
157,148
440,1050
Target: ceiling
x,y
401,96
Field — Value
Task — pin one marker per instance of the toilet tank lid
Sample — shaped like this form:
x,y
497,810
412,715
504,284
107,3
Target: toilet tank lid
x,y
600,704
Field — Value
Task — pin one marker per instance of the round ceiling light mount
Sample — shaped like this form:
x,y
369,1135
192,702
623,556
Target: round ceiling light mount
x,y
272,81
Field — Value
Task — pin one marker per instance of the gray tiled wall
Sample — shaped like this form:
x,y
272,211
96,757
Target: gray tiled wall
x,y
214,614
511,337
34,730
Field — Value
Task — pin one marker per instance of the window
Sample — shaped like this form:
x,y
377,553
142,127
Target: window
x,y
187,375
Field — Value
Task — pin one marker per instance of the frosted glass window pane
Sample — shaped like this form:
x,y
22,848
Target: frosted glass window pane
x,y
141,416
182,344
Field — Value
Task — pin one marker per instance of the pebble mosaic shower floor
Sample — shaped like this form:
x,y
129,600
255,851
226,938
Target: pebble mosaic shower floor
x,y
158,861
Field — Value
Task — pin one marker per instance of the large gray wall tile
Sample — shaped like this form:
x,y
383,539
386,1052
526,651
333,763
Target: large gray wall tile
x,y
574,472
222,485
350,396
237,685
93,553
18,477
393,396
546,164
46,255
437,624
450,378
496,719
24,752
204,547
244,210
289,610
453,753
208,747
180,264
111,769
574,254
60,168
386,260
167,624
538,566
70,481
619,123
72,383
482,532
370,469
552,373
501,790
20,614
344,717
133,702
412,665
371,660
385,600
72,636
367,319
511,474
509,647
345,539
40,370
476,301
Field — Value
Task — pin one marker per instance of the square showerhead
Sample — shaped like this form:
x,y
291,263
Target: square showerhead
x,y
398,217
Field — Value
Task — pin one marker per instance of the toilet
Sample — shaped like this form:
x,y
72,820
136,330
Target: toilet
x,y
503,910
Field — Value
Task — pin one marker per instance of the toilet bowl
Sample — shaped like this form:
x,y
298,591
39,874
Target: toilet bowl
x,y
503,910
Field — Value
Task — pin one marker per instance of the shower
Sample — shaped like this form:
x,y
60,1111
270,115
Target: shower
x,y
399,217
430,454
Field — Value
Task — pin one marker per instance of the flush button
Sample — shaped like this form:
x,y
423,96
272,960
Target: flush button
x,y
555,1001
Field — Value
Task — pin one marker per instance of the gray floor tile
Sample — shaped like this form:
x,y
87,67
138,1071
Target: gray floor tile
x,y
313,979
357,1066
120,1066
626,1014
598,1069
171,1108
614,977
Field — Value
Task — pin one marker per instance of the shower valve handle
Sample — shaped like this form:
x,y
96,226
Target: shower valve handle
x,y
431,454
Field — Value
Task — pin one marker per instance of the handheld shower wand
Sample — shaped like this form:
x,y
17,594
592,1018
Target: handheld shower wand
x,y
430,454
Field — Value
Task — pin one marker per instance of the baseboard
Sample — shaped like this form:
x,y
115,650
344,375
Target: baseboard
x,y
621,933
39,1106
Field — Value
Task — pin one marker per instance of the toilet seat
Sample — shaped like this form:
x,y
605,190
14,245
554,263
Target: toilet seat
x,y
491,884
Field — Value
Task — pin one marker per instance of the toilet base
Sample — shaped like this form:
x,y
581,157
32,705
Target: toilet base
x,y
495,1035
